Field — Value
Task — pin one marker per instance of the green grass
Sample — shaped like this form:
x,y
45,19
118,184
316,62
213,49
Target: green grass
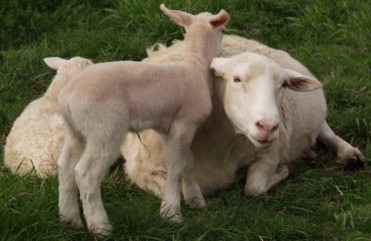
x,y
332,38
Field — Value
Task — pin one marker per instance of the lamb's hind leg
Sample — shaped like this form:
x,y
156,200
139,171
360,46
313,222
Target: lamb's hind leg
x,y
347,155
99,155
68,200
179,165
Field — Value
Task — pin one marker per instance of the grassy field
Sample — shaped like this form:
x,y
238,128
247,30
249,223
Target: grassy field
x,y
332,38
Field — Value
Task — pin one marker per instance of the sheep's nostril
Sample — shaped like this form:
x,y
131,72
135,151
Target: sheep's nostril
x,y
274,128
265,126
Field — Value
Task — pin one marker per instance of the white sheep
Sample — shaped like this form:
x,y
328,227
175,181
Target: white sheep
x,y
266,104
218,152
36,138
107,100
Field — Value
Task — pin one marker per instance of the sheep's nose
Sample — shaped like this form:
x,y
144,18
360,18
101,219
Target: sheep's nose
x,y
267,126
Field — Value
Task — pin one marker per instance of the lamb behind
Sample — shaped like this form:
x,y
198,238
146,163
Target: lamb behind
x,y
107,100
218,152
36,137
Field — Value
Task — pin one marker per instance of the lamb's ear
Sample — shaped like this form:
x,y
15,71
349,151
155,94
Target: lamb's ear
x,y
54,62
220,19
299,82
181,18
218,65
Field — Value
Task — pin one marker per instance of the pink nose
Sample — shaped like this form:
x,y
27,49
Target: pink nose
x,y
265,126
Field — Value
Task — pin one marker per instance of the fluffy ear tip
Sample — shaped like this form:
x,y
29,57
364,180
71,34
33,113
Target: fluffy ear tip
x,y
222,11
317,83
163,7
47,60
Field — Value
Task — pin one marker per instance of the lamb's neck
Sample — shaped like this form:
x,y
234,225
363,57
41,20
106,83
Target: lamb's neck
x,y
199,57
199,53
55,88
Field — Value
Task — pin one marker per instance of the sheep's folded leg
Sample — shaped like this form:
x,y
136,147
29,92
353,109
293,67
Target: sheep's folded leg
x,y
347,155
263,174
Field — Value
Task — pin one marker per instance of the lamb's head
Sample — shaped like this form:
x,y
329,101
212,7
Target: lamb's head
x,y
66,69
204,28
255,86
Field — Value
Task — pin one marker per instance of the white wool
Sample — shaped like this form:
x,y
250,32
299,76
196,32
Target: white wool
x,y
218,152
36,137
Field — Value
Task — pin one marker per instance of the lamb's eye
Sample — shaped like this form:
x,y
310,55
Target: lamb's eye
x,y
236,80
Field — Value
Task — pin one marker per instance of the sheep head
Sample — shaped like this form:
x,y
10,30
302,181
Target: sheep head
x,y
254,90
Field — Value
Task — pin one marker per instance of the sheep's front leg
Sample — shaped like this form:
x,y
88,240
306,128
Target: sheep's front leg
x,y
95,161
347,155
263,174
68,200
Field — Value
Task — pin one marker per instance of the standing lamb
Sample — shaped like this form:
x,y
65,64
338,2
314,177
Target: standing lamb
x,y
36,138
107,100
218,152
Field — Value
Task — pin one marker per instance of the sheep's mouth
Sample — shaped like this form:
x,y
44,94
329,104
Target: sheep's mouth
x,y
261,144
265,142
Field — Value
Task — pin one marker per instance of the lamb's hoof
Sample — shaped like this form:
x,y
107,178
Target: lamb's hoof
x,y
101,230
254,191
177,218
351,159
73,223
171,215
196,203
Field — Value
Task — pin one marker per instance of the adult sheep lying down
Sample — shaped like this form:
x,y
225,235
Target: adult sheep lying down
x,y
239,132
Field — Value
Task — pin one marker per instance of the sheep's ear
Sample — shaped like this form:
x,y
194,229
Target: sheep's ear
x,y
181,18
299,82
220,19
54,62
218,65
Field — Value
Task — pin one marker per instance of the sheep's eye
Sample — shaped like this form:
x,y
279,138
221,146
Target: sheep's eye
x,y
284,84
236,80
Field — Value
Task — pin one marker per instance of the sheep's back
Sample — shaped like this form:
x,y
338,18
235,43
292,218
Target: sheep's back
x,y
35,139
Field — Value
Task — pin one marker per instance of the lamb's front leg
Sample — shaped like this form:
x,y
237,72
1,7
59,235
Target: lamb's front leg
x,y
191,190
263,174
180,161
